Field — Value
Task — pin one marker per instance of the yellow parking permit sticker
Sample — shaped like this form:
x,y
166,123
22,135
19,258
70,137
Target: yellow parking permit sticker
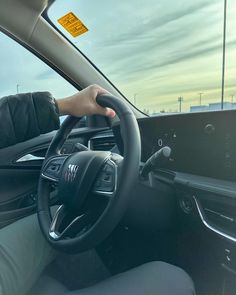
x,y
72,24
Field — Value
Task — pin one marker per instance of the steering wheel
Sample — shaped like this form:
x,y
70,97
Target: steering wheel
x,y
94,187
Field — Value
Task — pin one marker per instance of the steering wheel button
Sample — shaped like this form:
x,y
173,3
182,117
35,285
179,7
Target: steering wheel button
x,y
53,168
107,178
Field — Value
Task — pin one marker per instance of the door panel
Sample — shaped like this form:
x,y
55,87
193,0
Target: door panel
x,y
19,179
15,183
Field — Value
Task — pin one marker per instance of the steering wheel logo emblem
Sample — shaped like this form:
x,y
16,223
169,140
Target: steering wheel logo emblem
x,y
70,173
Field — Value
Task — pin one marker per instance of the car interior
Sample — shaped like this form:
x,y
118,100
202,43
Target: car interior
x,y
157,188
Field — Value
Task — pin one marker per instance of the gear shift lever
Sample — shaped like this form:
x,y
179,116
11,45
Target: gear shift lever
x,y
156,160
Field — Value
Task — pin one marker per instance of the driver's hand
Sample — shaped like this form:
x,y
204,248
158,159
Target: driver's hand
x,y
84,103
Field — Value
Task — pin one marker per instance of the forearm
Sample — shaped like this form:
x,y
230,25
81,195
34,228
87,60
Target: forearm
x,y
25,116
28,115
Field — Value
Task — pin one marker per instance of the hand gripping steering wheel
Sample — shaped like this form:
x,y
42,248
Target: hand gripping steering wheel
x,y
94,187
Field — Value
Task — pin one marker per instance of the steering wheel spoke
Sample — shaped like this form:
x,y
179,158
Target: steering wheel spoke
x,y
65,224
62,225
52,169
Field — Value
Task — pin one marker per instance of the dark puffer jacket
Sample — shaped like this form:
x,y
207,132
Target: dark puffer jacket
x,y
24,116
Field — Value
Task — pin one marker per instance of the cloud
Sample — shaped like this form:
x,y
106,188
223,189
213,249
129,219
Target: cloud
x,y
46,74
158,49
166,40
155,22
183,56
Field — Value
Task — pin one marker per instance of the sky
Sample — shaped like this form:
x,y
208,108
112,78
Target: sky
x,y
153,51
21,70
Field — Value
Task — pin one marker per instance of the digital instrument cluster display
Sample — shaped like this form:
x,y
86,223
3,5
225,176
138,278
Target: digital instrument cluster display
x,y
202,143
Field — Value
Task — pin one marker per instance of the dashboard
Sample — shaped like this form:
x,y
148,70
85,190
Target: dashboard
x,y
202,143
198,182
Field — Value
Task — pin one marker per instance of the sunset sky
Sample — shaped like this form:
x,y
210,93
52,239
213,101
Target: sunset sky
x,y
158,50
153,51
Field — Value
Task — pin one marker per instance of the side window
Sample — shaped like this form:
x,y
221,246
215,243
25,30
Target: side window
x,y
21,71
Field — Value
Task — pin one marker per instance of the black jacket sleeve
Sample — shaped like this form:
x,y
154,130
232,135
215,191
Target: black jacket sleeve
x,y
24,116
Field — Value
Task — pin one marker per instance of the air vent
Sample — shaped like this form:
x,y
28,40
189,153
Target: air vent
x,y
103,143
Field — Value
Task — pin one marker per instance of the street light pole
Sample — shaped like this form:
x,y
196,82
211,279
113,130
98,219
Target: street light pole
x,y
17,88
232,98
223,57
200,98
135,96
180,100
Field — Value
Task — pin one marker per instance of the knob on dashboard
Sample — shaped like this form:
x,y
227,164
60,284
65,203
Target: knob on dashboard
x,y
209,129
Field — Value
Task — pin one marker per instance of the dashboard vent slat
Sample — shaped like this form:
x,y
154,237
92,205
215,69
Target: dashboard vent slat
x,y
105,143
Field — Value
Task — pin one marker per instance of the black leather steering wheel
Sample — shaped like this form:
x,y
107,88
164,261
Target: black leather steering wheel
x,y
94,187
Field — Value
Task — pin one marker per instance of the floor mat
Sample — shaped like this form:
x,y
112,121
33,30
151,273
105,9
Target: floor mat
x,y
79,271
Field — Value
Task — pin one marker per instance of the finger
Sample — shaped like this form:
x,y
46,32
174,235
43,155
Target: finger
x,y
98,90
110,113
105,112
101,91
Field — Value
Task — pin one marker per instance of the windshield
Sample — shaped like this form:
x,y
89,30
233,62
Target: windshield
x,y
164,56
